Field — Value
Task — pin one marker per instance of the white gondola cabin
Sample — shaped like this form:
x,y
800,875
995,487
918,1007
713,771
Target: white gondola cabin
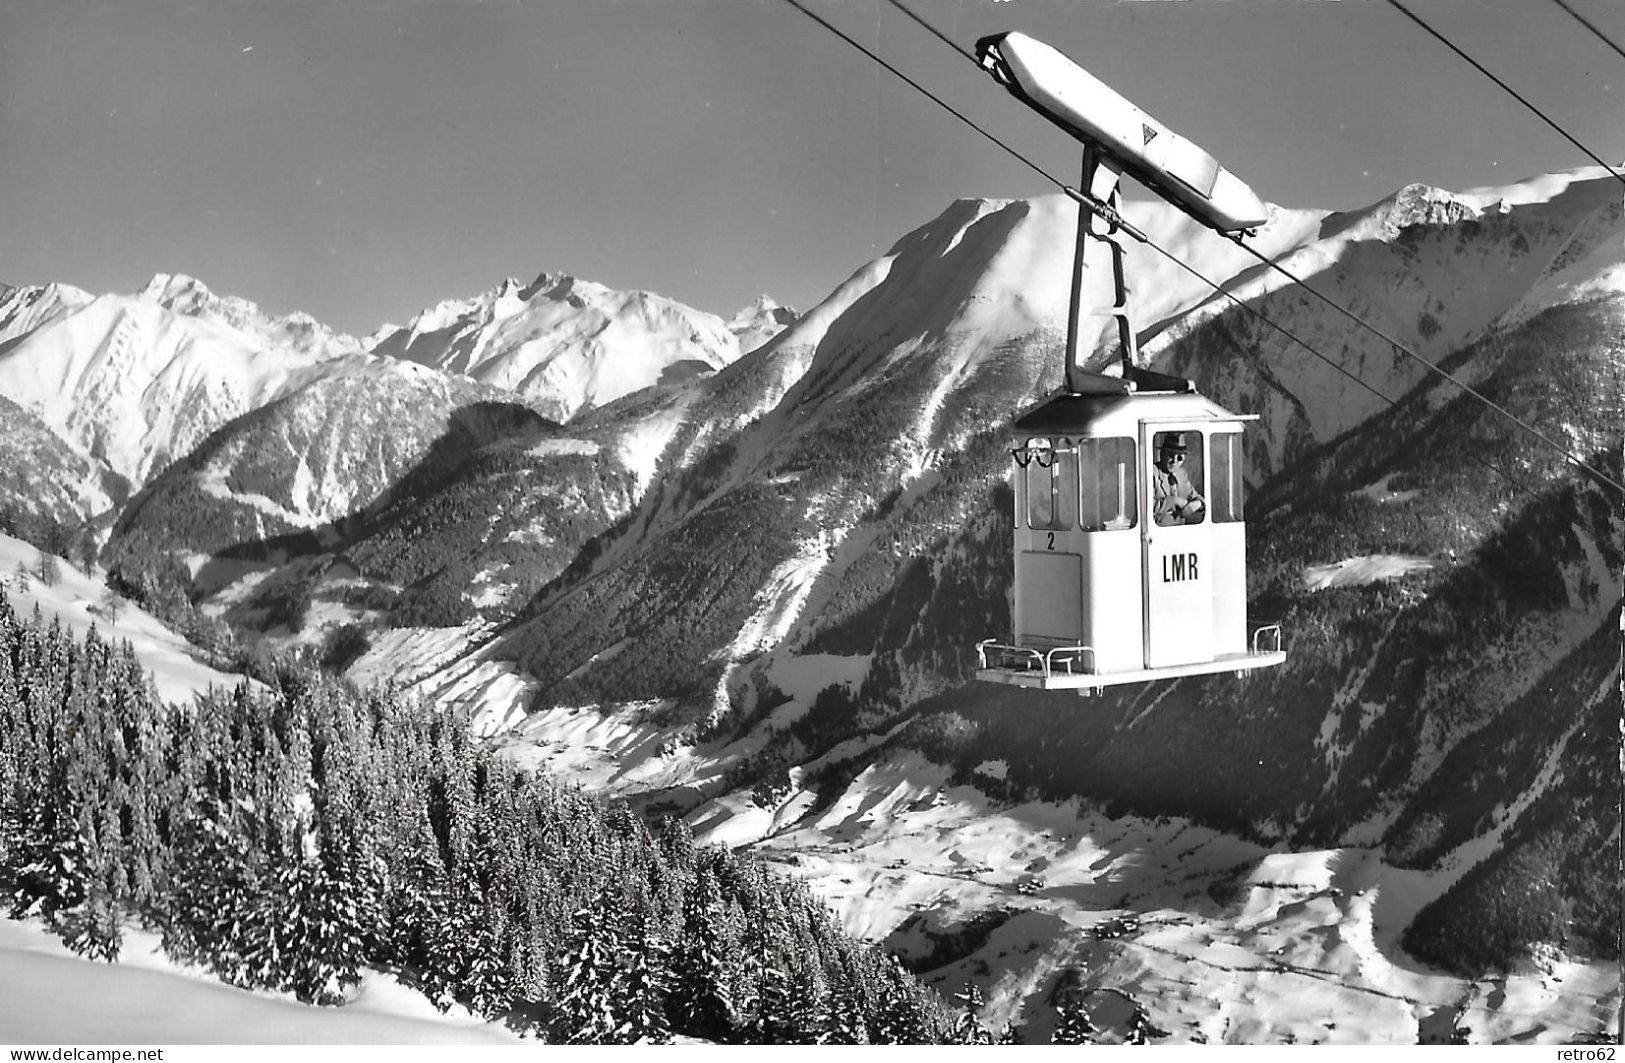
x,y
1109,587
1126,570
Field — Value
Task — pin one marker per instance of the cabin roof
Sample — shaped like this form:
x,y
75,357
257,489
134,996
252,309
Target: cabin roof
x,y
1066,414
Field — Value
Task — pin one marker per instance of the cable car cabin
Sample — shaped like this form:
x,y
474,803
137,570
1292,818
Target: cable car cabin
x,y
1120,579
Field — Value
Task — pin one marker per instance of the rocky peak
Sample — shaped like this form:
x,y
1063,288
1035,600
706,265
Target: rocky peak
x,y
1419,204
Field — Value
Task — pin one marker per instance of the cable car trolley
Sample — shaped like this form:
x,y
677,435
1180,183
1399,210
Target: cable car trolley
x,y
1129,544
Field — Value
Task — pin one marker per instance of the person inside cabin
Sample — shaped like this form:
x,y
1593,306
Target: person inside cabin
x,y
1176,501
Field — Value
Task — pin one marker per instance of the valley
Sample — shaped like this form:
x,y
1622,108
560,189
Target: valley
x,y
743,589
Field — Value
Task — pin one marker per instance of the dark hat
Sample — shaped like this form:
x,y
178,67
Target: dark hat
x,y
1173,443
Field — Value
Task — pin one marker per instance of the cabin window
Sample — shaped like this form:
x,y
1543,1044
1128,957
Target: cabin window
x,y
1052,483
1108,500
1225,462
1178,481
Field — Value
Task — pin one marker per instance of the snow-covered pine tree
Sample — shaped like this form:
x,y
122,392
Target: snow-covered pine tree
x,y
95,928
13,745
968,1028
46,871
700,999
48,569
809,987
587,1003
839,1023
677,843
42,872
419,906
774,1021
315,933
452,922
148,792
488,980
111,604
1141,1031
96,757
10,816
214,912
640,989
1073,1025
452,792
901,1020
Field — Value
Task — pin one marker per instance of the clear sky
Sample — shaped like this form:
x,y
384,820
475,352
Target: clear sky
x,y
364,159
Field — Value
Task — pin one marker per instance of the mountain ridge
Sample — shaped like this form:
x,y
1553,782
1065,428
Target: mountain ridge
x,y
775,571
567,343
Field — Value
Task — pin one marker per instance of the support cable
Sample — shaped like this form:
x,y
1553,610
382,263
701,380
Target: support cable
x,y
1431,366
938,34
927,93
1115,219
1582,20
1564,133
1084,199
1402,348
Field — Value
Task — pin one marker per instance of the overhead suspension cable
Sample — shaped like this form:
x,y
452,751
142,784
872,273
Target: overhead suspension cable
x,y
1582,20
1084,199
1271,263
1564,133
1431,366
1543,117
1110,215
938,34
1113,217
927,93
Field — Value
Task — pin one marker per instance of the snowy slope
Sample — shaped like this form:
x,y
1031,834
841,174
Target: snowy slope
x,y
81,602
1223,940
1434,270
45,475
988,281
55,997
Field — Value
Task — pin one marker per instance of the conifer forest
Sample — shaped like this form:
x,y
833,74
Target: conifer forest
x,y
286,835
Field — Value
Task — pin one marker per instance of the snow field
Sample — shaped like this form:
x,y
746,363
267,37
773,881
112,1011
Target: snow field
x,y
53,997
448,666
1367,568
1221,939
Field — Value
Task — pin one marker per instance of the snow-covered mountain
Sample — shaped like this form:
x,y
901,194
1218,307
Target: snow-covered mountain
x,y
24,309
760,322
772,570
313,457
44,479
900,380
105,392
831,505
566,344
133,382
1435,270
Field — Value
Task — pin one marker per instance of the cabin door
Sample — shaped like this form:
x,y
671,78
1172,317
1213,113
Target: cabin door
x,y
1176,530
